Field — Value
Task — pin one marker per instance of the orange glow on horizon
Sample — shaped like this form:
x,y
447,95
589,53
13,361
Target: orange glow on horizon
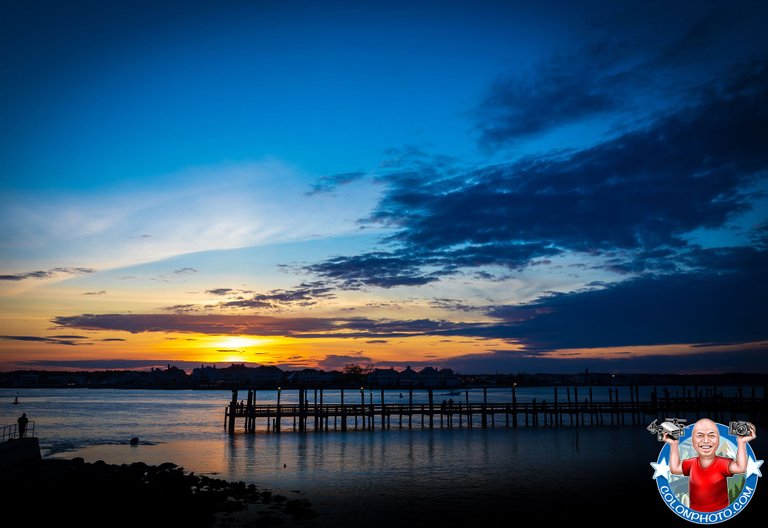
x,y
56,347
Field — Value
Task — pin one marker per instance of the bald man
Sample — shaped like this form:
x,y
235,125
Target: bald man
x,y
707,485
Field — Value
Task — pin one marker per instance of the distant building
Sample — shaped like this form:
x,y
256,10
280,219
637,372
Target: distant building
x,y
309,377
409,378
383,377
336,378
205,375
119,378
429,377
238,374
267,375
235,374
170,376
448,378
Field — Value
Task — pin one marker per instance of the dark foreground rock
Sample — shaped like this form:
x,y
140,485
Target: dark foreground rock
x,y
80,494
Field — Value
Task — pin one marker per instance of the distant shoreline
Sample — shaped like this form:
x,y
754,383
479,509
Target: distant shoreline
x,y
44,379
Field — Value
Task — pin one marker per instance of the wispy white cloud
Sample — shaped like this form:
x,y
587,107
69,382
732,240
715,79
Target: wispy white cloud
x,y
198,209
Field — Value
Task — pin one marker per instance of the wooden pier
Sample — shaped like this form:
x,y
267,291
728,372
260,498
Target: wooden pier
x,y
573,412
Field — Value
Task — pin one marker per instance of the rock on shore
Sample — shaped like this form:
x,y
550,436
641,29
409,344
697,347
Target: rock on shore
x,y
73,492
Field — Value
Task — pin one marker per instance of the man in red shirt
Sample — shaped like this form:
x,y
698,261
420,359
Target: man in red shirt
x,y
707,472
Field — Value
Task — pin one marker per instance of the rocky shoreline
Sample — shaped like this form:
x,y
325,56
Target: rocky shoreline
x,y
99,494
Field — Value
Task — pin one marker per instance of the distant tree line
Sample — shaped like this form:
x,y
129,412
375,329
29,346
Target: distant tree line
x,y
239,375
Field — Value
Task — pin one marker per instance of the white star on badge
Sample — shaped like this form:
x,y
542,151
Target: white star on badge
x,y
662,469
753,467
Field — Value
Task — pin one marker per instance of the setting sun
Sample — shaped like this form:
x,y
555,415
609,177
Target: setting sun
x,y
237,342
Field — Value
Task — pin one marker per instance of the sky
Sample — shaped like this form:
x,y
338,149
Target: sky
x,y
491,187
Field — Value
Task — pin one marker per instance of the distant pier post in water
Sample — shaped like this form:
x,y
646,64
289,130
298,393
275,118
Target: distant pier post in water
x,y
469,410
323,417
370,411
610,401
301,410
362,408
618,407
576,403
233,411
514,405
249,410
317,416
431,409
383,410
410,407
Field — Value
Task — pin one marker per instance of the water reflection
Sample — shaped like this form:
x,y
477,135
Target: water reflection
x,y
380,478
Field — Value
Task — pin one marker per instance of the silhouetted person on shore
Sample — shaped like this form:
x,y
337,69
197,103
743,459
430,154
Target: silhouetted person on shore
x,y
22,425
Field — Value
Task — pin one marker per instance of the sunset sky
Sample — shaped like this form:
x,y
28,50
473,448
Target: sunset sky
x,y
532,186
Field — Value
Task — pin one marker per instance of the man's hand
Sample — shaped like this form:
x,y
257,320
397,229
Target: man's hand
x,y
671,440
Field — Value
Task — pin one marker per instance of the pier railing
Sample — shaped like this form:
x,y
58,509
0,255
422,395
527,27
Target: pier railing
x,y
573,412
11,432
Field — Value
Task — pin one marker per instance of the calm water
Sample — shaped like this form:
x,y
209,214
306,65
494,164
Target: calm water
x,y
361,477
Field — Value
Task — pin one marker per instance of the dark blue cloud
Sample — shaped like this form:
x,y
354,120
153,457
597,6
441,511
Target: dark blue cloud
x,y
183,308
106,364
746,360
328,184
204,324
725,304
453,304
305,294
633,65
560,91
382,269
643,190
220,291
634,199
45,274
417,267
60,340
298,327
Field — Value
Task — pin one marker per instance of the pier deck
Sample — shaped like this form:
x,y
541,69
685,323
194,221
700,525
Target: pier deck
x,y
319,416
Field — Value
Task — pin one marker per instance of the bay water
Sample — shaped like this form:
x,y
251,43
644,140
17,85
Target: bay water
x,y
403,476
